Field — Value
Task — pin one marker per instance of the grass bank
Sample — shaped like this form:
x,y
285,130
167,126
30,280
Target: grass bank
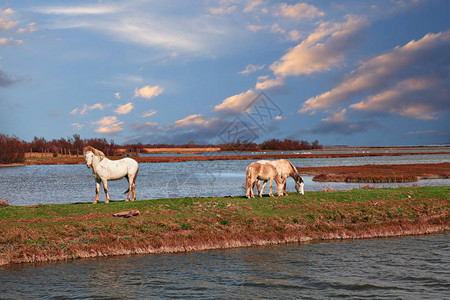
x,y
67,231
379,173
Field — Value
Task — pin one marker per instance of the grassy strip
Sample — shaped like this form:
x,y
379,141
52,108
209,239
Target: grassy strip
x,y
379,173
65,231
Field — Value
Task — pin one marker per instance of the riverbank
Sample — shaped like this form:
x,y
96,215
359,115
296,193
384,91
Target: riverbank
x,y
72,160
67,231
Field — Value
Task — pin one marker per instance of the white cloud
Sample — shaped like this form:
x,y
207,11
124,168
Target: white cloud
x,y
299,11
402,99
5,22
149,113
222,10
31,27
269,83
236,104
251,68
294,35
77,126
145,24
387,78
87,108
145,126
148,91
323,49
195,120
96,9
255,28
10,42
124,109
337,117
276,28
252,5
117,96
108,125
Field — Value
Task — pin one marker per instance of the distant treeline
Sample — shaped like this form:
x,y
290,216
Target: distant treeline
x,y
12,150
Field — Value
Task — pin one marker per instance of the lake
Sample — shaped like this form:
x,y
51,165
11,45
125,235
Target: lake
x,y
30,185
401,268
408,267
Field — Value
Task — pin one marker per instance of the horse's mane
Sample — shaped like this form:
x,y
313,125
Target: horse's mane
x,y
95,151
294,168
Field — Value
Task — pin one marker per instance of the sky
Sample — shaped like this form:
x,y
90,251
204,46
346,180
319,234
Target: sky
x,y
361,73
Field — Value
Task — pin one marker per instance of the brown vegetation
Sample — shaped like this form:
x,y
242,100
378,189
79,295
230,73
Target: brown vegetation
x,y
379,173
12,150
40,233
70,160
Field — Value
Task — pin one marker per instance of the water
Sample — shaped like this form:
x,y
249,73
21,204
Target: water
x,y
400,268
74,183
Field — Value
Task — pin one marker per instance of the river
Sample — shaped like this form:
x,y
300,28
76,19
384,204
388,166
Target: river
x,y
401,268
56,184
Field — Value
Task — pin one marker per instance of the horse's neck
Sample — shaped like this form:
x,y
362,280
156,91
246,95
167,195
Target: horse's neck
x,y
293,173
96,162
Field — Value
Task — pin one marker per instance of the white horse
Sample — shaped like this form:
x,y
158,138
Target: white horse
x,y
105,169
256,172
286,169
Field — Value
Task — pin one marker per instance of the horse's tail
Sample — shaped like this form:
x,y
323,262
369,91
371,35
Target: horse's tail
x,y
248,178
134,180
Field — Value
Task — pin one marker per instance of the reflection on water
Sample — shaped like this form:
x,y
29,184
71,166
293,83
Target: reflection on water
x,y
405,268
74,183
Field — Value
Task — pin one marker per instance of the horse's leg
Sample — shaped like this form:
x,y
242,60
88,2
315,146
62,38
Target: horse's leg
x,y
270,187
284,186
262,189
258,185
130,189
105,187
97,191
250,185
134,186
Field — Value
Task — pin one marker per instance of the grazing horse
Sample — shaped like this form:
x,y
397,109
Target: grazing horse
x,y
105,169
286,169
255,172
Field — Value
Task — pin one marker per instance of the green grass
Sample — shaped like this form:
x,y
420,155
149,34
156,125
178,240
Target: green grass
x,y
58,231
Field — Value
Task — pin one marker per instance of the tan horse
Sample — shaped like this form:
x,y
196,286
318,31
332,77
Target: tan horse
x,y
266,172
105,169
286,169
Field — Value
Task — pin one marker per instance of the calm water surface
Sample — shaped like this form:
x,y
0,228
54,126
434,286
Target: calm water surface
x,y
74,183
401,268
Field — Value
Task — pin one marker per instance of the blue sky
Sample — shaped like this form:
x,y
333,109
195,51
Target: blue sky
x,y
343,72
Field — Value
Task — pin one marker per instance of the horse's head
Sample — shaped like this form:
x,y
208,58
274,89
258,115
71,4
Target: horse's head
x,y
280,189
89,157
299,185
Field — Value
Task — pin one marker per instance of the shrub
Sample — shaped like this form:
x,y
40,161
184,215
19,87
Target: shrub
x,y
11,150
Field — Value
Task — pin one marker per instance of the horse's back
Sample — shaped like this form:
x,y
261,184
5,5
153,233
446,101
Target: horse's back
x,y
262,171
